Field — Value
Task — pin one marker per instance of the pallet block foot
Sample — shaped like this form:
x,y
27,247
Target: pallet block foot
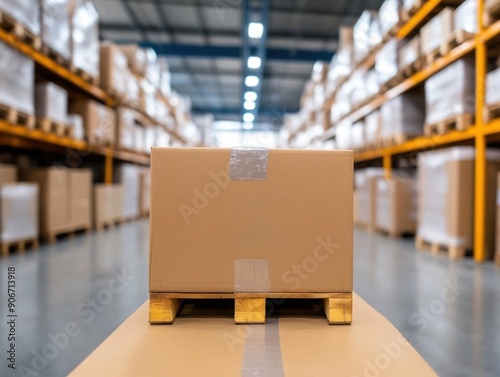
x,y
162,309
250,310
338,310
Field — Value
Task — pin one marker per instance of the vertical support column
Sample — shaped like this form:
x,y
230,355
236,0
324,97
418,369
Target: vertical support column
x,y
387,164
108,167
480,143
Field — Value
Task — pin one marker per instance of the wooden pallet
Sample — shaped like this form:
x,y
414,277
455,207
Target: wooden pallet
x,y
249,308
457,122
491,112
407,13
19,246
84,75
24,34
453,252
394,140
412,68
432,56
56,56
53,237
455,39
50,126
17,117
491,13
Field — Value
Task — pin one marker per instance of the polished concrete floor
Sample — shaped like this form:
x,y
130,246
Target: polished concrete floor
x,y
72,295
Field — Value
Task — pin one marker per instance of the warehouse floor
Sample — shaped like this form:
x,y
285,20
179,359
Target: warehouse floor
x,y
88,286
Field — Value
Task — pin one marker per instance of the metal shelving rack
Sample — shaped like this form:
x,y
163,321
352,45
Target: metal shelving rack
x,y
479,134
19,136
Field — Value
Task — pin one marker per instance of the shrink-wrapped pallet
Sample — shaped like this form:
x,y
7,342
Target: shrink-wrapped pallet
x,y
465,17
372,125
85,37
51,102
343,139
56,30
409,52
366,34
23,11
493,87
451,91
365,182
358,134
403,116
114,73
125,133
389,15
128,176
387,61
434,33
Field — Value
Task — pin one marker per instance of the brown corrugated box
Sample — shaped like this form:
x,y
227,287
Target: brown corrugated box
x,y
396,206
80,196
113,69
99,120
291,222
8,173
54,199
459,206
434,32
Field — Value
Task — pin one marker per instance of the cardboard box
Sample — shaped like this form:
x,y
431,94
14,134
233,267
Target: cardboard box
x,y
8,173
244,220
51,102
125,128
103,205
446,197
396,206
145,192
80,198
434,33
128,176
18,212
136,57
54,212
365,181
113,69
99,121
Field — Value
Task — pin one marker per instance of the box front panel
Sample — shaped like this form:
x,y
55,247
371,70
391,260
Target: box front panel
x,y
299,219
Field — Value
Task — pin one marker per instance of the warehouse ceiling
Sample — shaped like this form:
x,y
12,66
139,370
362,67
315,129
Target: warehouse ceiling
x,y
208,46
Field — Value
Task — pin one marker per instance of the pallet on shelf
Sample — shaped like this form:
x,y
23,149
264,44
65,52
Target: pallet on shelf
x,y
391,83
19,246
453,252
412,68
455,39
51,126
84,75
432,56
68,234
56,56
491,12
406,14
17,117
249,308
13,26
459,122
491,112
395,139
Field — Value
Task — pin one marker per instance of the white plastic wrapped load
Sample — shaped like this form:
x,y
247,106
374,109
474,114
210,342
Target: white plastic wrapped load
x,y
409,52
56,31
340,67
342,104
389,15
75,121
446,196
162,138
147,101
358,134
136,57
85,36
139,138
451,91
403,115
319,72
18,212
358,86
51,102
17,73
365,182
125,128
165,77
372,83
408,4
465,17
372,127
152,73
128,176
24,11
343,138
149,139
387,61
434,33
493,87
366,34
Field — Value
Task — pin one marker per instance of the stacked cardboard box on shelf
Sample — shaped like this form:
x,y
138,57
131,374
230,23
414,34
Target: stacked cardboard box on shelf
x,y
18,209
51,102
365,182
65,199
446,196
128,175
396,212
107,205
99,121
434,33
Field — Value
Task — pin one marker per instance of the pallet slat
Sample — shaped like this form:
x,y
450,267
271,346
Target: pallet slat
x,y
250,308
453,252
457,122
19,246
12,25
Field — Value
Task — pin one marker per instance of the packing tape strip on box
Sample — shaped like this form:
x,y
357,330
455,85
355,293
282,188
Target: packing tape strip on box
x,y
248,164
251,275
